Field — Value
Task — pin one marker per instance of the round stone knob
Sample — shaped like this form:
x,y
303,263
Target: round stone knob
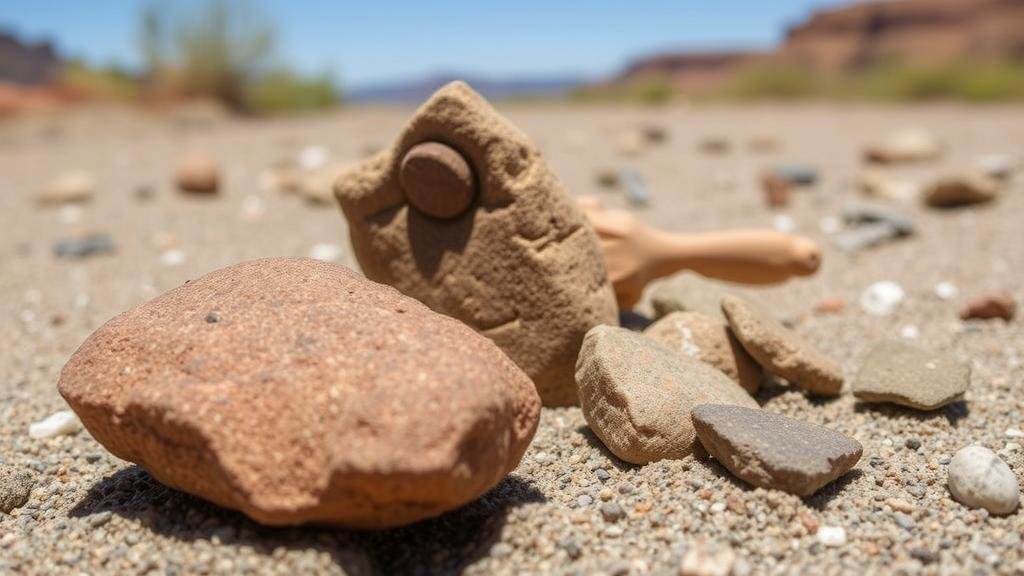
x,y
437,180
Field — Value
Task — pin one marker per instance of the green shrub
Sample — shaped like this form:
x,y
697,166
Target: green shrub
x,y
281,91
223,49
774,81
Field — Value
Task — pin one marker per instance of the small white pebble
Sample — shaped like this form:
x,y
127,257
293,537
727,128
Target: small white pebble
x,y
784,223
253,208
312,157
946,290
1014,433
978,478
832,536
173,257
717,507
56,424
909,332
325,251
882,298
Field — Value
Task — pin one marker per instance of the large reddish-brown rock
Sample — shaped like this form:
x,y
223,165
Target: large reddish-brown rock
x,y
297,391
463,214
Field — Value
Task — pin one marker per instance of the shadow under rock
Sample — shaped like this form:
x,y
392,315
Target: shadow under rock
x,y
819,500
595,442
443,545
772,387
953,413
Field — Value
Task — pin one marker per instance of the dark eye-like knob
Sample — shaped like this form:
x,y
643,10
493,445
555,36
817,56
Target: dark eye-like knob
x,y
437,180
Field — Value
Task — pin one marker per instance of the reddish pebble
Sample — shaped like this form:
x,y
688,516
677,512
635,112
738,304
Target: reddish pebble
x,y
776,190
830,305
998,304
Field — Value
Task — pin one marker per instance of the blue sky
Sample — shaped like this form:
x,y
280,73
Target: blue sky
x,y
370,42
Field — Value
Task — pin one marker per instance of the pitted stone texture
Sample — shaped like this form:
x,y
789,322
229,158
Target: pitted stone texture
x,y
901,373
297,391
772,451
521,265
711,341
15,488
637,394
780,350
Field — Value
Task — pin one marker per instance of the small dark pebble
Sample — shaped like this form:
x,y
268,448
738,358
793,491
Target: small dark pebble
x,y
905,522
571,547
925,556
213,318
913,443
76,248
144,192
612,512
602,474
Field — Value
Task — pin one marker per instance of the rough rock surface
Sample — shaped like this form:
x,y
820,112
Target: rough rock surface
x,y
637,394
978,478
521,265
297,391
709,340
773,451
780,350
15,488
688,292
901,373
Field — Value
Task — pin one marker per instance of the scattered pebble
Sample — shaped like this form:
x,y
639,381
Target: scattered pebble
x,y
15,487
198,174
780,350
313,157
831,536
898,372
635,188
709,340
688,292
882,298
910,332
905,145
946,290
978,478
777,191
78,247
72,187
964,189
172,257
998,304
714,145
326,251
56,424
886,187
253,208
708,560
644,415
830,305
998,166
773,451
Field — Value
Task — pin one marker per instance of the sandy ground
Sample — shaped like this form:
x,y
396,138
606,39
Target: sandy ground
x,y
570,507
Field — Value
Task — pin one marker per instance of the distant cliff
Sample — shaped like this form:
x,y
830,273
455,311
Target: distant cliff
x,y
907,32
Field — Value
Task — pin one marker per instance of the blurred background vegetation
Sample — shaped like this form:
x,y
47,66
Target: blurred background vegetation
x,y
221,50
